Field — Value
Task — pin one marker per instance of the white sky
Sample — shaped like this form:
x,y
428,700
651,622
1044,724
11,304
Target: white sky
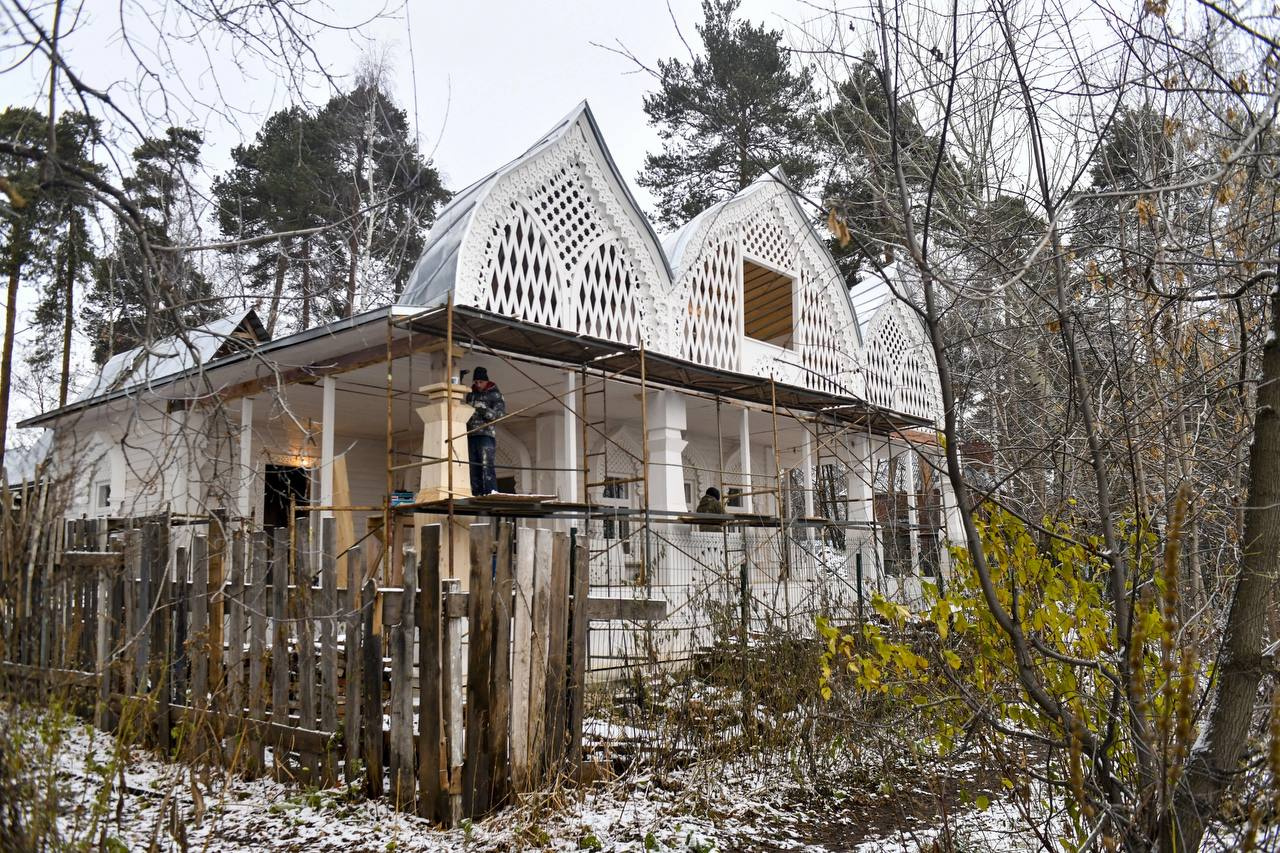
x,y
503,71
491,78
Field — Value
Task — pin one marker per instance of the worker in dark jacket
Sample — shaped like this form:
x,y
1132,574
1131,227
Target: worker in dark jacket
x,y
711,502
482,443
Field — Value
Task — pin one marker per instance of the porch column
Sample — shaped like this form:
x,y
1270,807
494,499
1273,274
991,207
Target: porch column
x,y
569,480
913,515
327,416
744,461
557,439
806,476
436,430
443,415
861,493
668,420
244,496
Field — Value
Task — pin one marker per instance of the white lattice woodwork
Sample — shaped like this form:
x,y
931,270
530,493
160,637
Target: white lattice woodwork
x,y
551,242
554,241
604,295
712,335
895,364
523,275
826,363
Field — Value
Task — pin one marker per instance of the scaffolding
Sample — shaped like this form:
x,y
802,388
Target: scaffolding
x,y
839,432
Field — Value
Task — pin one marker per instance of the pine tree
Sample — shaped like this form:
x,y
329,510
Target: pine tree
x,y
144,289
70,204
386,195
350,170
740,108
281,183
25,247
859,177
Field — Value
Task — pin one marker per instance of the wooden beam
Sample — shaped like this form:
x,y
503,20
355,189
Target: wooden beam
x,y
345,363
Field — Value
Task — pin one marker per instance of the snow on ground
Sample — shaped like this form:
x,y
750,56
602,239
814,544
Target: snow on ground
x,y
700,808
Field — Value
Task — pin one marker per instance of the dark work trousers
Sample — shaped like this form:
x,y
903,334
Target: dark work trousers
x,y
482,449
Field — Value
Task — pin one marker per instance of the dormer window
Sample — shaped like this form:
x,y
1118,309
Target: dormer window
x,y
768,312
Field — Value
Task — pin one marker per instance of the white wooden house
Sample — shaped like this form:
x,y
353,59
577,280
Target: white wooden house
x,y
637,373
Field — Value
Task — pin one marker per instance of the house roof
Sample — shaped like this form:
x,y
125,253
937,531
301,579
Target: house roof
x,y
144,364
433,277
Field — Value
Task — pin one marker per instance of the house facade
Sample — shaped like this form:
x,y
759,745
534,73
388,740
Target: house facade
x,y
637,371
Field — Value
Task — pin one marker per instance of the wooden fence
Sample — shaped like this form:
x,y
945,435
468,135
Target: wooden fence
x,y
283,657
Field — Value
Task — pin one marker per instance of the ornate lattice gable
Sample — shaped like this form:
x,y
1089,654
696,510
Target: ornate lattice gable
x,y
555,239
899,364
764,224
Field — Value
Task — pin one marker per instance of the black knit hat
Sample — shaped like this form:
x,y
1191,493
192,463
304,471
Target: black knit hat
x,y
481,374
713,492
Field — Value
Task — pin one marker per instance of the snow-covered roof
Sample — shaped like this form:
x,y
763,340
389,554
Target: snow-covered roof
x,y
22,463
149,363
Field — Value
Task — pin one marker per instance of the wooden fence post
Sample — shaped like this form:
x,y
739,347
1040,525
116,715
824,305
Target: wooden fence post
x,y
579,649
310,763
500,689
451,695
476,767
234,654
430,714
280,658
328,644
371,647
557,651
201,651
403,766
354,695
257,649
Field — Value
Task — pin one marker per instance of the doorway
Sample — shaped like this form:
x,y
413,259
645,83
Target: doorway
x,y
282,485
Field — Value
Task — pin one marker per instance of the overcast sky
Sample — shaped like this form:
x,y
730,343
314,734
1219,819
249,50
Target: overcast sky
x,y
481,81
490,77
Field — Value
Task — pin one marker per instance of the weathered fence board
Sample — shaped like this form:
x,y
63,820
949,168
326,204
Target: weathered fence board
x,y
248,639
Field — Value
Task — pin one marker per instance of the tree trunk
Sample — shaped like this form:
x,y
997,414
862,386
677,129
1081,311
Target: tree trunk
x,y
1241,665
282,266
68,313
306,283
6,356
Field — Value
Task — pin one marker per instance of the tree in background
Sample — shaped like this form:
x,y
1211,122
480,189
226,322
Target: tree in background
x,y
858,167
71,207
26,250
147,287
726,116
385,197
348,195
281,184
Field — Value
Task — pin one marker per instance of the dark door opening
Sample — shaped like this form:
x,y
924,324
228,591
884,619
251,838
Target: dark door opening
x,y
281,485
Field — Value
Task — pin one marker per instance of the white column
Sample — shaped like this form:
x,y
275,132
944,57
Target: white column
x,y
668,420
913,516
244,497
568,481
557,439
806,476
861,491
744,461
327,416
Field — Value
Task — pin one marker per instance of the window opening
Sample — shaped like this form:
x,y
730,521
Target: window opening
x,y
768,312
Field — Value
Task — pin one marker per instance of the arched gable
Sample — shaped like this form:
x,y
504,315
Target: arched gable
x,y
555,239
765,227
899,364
